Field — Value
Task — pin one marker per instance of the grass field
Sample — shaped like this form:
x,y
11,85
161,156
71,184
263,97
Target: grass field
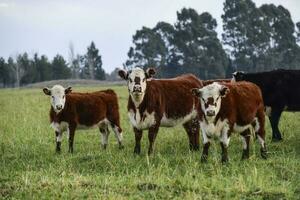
x,y
30,169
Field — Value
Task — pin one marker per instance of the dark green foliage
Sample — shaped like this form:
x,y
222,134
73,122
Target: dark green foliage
x,y
24,70
60,69
6,73
190,46
92,64
260,39
43,68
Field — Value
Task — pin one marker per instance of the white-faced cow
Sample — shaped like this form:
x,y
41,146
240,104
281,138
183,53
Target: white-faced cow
x,y
163,102
227,108
70,111
281,91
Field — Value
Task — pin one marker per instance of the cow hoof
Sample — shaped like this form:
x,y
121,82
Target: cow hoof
x,y
264,154
121,146
224,159
195,148
277,139
57,151
104,146
137,150
204,158
245,155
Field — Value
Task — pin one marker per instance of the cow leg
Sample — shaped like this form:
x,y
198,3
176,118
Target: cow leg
x,y
138,136
274,120
58,141
118,133
224,142
151,136
192,129
260,132
104,133
246,140
206,144
71,137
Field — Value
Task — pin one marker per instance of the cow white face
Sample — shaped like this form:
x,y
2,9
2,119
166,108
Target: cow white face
x,y
58,96
210,98
136,82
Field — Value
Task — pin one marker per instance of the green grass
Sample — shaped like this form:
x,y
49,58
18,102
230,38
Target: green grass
x,y
30,169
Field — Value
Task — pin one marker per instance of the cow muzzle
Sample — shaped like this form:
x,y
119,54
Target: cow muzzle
x,y
137,89
58,107
210,113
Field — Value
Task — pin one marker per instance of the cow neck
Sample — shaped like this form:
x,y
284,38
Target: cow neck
x,y
215,119
55,117
141,107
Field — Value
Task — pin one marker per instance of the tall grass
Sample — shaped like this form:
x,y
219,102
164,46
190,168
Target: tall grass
x,y
30,169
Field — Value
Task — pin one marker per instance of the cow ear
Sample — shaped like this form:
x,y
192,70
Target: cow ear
x,y
196,92
123,74
223,91
68,90
150,72
47,91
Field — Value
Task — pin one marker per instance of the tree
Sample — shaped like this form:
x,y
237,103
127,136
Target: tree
x,y
92,64
43,68
244,33
282,49
198,45
298,31
60,69
5,73
191,45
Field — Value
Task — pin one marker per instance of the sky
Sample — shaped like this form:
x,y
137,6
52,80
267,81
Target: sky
x,y
50,26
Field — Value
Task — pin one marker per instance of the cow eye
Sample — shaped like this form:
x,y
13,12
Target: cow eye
x,y
130,80
203,99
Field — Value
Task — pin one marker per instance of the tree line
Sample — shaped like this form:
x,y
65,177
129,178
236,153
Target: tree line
x,y
22,69
253,39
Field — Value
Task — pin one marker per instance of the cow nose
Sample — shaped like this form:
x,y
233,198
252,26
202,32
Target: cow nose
x,y
137,88
210,113
58,107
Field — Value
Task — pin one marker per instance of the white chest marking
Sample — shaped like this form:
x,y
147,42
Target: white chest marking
x,y
170,122
212,129
141,122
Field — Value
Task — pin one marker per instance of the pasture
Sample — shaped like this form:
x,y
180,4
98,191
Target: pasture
x,y
30,169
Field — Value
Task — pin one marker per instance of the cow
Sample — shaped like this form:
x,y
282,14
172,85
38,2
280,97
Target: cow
x,y
281,92
155,103
227,108
71,111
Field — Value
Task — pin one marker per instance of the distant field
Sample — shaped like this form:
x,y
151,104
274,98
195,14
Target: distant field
x,y
30,169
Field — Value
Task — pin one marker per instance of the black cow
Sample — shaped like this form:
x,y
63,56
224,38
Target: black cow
x,y
281,92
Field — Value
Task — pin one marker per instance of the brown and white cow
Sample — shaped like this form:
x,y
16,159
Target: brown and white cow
x,y
161,102
70,111
231,107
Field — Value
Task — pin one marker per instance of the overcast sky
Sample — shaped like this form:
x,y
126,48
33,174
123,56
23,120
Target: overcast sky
x,y
48,26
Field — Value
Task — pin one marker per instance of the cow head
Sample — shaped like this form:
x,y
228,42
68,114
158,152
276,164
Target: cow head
x,y
136,82
238,76
58,96
210,97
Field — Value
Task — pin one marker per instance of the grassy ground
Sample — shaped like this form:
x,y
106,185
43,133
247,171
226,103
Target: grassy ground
x,y
30,169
